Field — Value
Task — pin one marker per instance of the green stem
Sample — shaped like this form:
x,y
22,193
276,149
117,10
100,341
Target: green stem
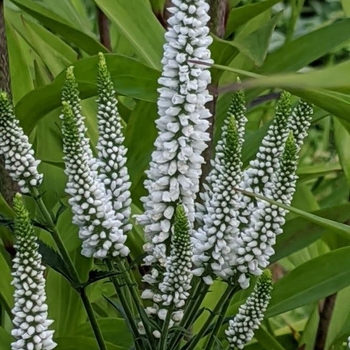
x,y
93,320
125,305
70,266
190,313
192,344
220,319
164,337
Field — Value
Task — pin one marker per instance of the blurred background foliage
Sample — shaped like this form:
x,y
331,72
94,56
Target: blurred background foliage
x,y
300,46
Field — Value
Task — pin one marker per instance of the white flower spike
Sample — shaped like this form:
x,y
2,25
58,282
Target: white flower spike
x,y
31,312
176,163
214,241
15,147
99,229
250,314
111,151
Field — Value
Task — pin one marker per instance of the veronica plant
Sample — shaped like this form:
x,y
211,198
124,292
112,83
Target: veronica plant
x,y
226,232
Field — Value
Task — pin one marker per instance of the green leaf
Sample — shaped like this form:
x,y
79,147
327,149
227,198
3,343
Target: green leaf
x,y
299,232
61,26
342,143
255,46
336,227
21,80
241,15
6,290
130,77
139,25
5,339
307,48
81,343
114,330
266,340
346,7
311,281
53,259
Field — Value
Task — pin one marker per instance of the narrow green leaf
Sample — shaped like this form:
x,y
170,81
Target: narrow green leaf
x,y
61,26
299,232
21,80
307,48
6,290
239,16
5,339
311,282
139,25
342,143
255,46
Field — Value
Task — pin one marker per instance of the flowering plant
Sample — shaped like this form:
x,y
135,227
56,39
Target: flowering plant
x,y
197,234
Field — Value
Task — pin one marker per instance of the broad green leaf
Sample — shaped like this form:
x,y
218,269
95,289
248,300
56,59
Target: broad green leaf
x,y
311,281
61,26
21,80
63,51
130,77
266,340
255,46
68,11
5,339
307,48
81,343
239,16
6,290
342,143
140,135
114,330
65,306
300,232
139,25
346,7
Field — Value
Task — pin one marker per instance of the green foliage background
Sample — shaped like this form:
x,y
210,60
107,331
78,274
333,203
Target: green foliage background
x,y
302,47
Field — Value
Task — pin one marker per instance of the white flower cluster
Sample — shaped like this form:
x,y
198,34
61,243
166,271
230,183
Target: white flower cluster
x,y
15,147
111,150
176,163
250,314
176,284
258,177
30,311
256,241
99,228
214,241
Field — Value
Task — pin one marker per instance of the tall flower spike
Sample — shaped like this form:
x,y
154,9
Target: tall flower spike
x,y
214,241
111,151
31,318
15,147
176,163
237,110
300,122
258,177
256,241
250,314
177,277
92,209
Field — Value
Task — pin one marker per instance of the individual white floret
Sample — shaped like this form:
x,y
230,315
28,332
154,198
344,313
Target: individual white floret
x,y
16,149
31,323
